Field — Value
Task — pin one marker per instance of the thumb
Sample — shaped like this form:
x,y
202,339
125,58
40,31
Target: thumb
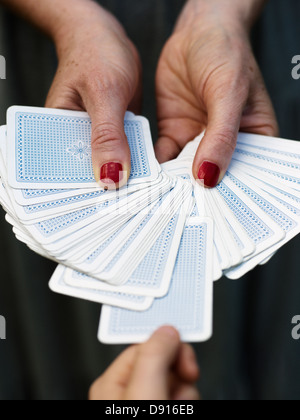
x,y
218,144
150,376
110,149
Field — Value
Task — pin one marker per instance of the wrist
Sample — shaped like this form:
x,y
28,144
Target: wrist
x,y
85,21
236,14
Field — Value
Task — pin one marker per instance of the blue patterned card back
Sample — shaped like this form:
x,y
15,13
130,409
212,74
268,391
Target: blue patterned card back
x,y
53,148
282,219
153,275
188,305
255,227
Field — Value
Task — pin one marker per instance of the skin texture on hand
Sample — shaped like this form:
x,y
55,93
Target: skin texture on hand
x,y
208,79
161,369
99,72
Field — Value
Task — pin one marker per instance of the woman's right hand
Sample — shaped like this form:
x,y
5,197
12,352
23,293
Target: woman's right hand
x,y
99,72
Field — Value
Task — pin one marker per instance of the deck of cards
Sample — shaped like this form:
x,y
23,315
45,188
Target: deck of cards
x,y
151,251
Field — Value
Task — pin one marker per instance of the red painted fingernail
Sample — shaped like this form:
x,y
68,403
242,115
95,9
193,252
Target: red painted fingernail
x,y
209,173
111,172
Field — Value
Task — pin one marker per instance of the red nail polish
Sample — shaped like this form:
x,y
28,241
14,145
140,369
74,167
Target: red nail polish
x,y
210,173
111,172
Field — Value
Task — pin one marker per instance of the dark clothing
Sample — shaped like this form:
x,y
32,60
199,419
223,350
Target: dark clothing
x,y
51,351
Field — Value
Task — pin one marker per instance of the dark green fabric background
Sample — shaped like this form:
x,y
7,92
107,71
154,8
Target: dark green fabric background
x,y
51,351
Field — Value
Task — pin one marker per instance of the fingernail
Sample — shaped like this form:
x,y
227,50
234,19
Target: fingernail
x,y
209,173
111,172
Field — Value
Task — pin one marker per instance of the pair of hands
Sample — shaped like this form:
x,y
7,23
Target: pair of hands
x,y
161,369
207,78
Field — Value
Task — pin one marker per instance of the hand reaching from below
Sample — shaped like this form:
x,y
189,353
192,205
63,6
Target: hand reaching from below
x,y
161,369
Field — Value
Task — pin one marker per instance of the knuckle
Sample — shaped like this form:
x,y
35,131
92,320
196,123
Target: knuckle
x,y
274,130
237,88
102,84
226,139
232,91
93,79
271,129
107,137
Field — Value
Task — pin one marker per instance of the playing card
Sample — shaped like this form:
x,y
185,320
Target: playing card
x,y
153,276
224,238
278,174
286,196
38,136
258,225
118,271
280,215
281,208
291,159
188,305
267,161
121,300
98,258
49,231
243,241
288,148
